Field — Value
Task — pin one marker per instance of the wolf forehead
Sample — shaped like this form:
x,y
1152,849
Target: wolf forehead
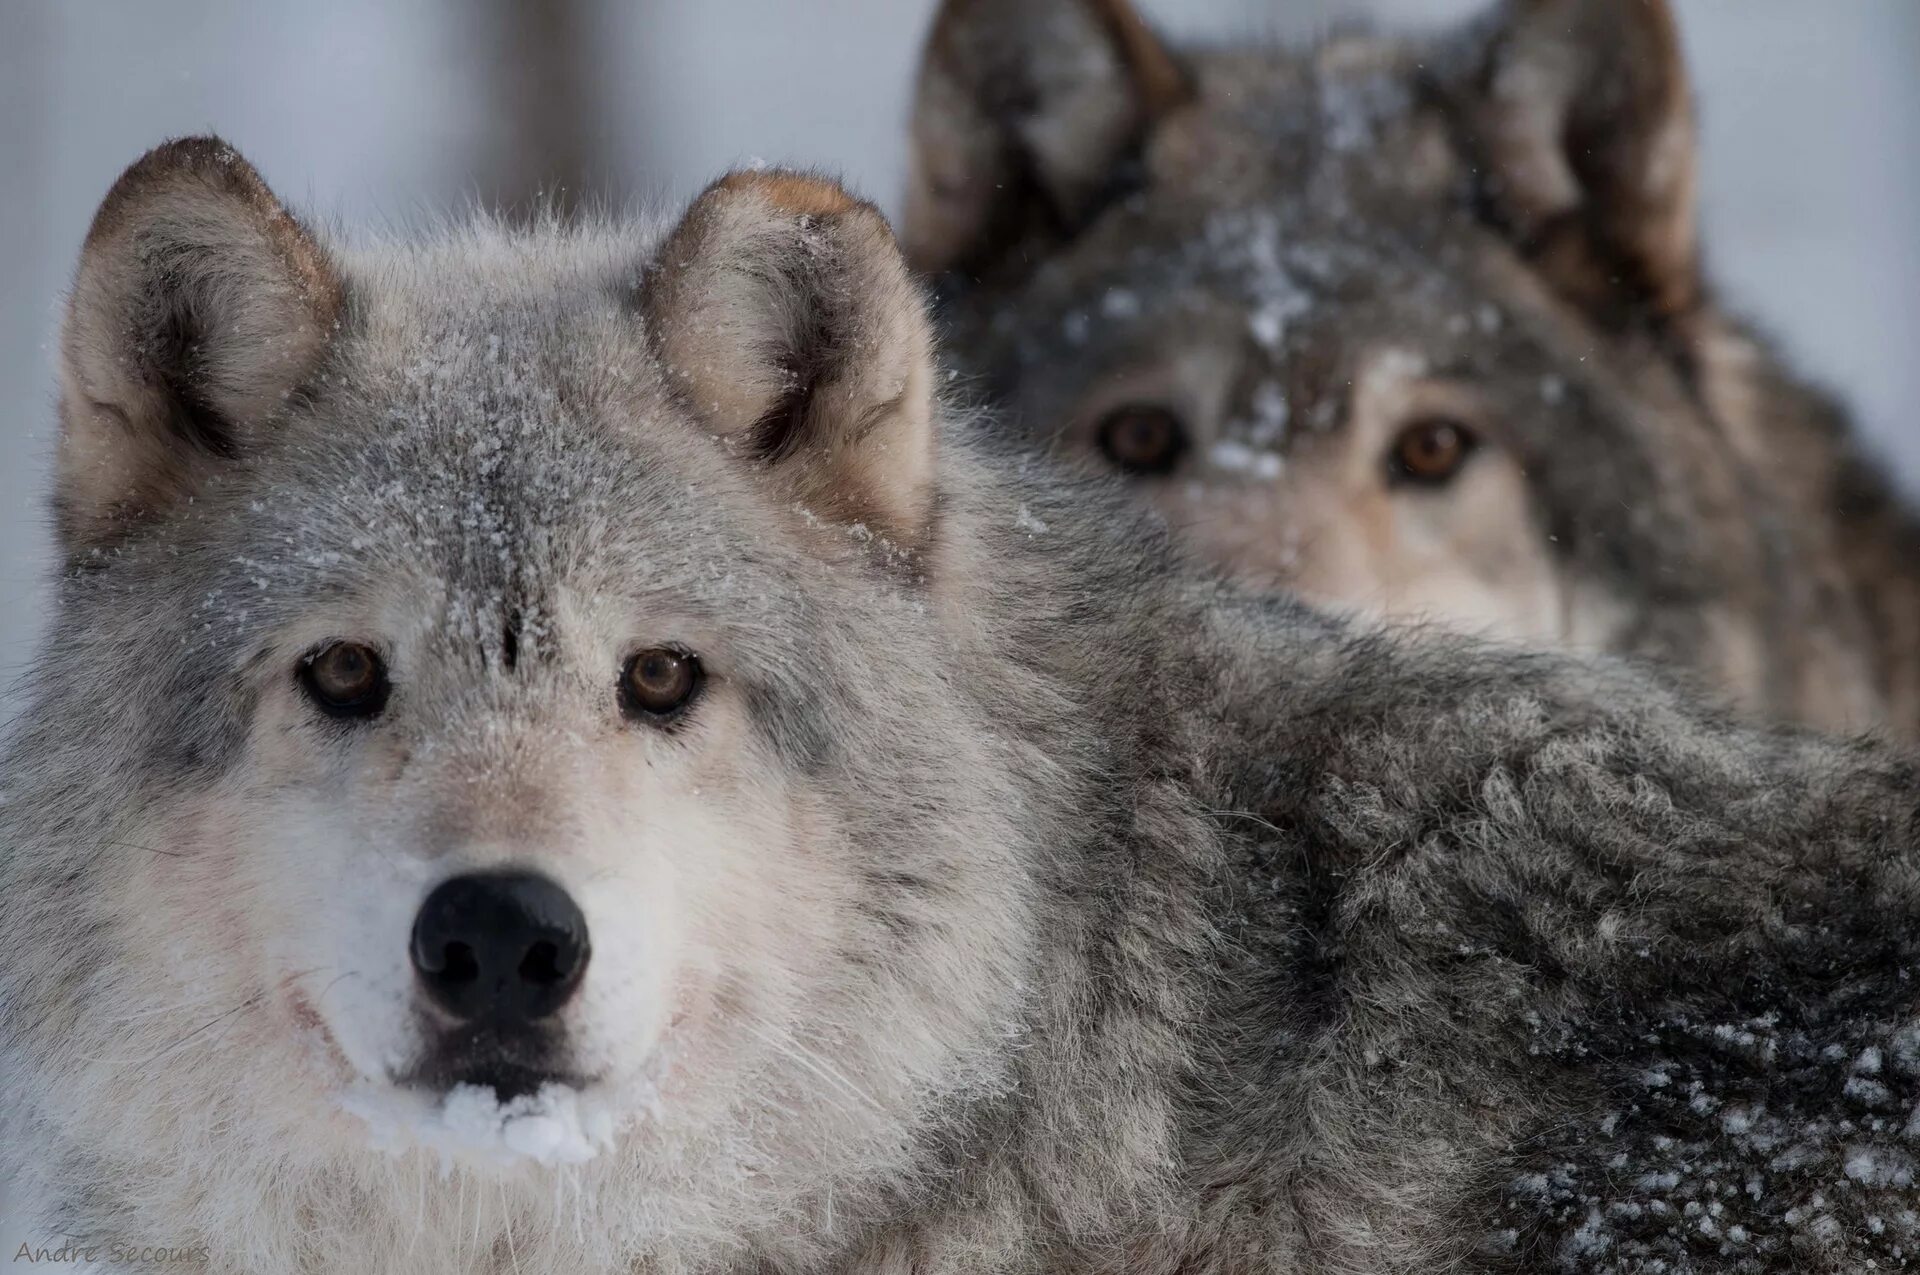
x,y
476,364
1307,188
1353,118
487,405
485,342
478,420
1294,261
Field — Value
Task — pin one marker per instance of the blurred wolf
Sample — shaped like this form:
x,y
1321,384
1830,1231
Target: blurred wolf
x,y
1418,329
556,752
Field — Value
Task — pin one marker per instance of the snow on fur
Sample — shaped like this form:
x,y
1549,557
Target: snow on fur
x,y
556,1125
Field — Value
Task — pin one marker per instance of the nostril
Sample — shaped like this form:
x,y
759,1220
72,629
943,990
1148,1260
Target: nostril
x,y
542,966
458,964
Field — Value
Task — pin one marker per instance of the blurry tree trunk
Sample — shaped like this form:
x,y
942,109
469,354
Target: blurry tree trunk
x,y
545,85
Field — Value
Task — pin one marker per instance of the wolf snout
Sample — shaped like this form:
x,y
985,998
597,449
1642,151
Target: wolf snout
x,y
506,948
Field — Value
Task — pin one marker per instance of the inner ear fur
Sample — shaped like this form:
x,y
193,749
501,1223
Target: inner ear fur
x,y
1583,119
198,305
789,324
1024,114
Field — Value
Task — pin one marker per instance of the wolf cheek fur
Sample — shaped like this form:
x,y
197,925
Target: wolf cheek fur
x,y
1010,898
1311,261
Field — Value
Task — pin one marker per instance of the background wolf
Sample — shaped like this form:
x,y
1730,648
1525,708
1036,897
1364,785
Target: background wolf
x,y
1418,329
592,672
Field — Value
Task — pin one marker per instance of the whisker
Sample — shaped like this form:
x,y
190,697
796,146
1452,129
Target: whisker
x,y
243,1006
793,1049
506,1218
134,845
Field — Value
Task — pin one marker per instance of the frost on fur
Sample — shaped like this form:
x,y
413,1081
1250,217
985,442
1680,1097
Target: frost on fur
x,y
470,1124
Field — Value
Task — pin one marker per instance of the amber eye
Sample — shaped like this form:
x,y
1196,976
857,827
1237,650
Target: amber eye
x,y
346,679
1430,451
657,683
1143,438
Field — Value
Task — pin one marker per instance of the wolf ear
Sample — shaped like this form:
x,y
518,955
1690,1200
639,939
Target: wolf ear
x,y
1584,120
199,303
788,323
1024,112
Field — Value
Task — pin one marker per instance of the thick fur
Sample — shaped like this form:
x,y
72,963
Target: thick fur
x,y
1302,253
1018,900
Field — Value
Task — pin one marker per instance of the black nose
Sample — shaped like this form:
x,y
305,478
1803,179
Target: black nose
x,y
507,947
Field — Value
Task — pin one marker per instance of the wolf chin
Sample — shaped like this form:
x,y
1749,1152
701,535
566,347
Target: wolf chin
x,y
1418,328
558,751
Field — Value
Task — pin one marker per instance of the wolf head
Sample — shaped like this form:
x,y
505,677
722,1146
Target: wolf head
x,y
465,683
1418,330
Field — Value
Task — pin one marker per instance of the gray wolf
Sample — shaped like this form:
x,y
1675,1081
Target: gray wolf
x,y
1417,328
558,751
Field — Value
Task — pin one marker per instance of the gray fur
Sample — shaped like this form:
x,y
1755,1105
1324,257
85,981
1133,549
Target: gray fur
x,y
1111,919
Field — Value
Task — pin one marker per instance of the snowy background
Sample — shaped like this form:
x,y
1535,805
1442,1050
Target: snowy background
x,y
364,111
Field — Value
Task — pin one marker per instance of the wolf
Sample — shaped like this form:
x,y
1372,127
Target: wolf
x,y
1418,328
559,750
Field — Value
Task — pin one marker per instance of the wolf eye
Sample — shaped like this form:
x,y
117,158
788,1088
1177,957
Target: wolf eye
x,y
1143,438
1430,451
657,683
346,679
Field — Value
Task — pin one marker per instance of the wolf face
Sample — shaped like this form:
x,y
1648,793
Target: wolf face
x,y
1418,331
461,687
